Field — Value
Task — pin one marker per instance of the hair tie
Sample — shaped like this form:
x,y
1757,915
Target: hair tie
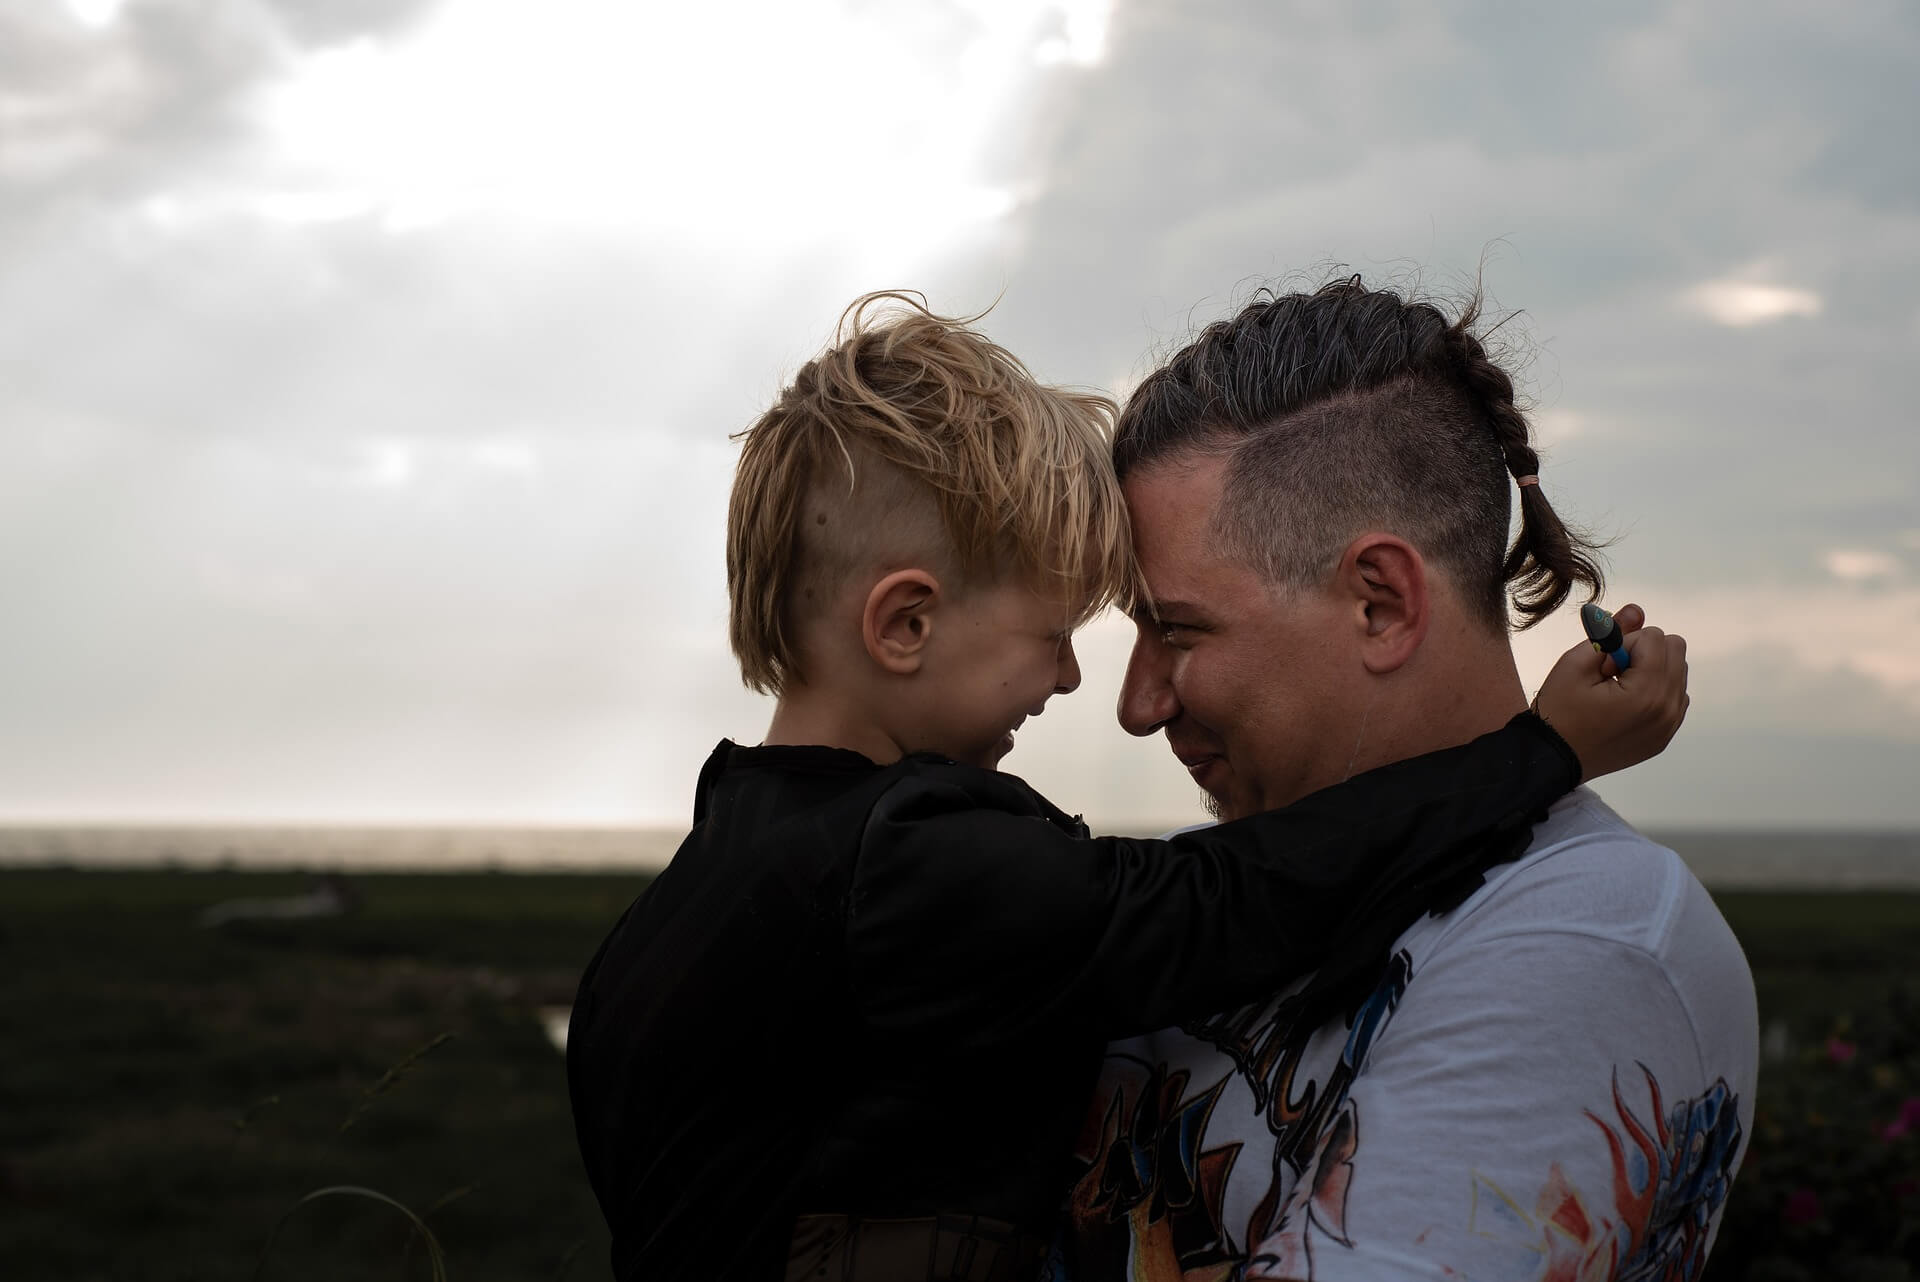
x,y
1526,480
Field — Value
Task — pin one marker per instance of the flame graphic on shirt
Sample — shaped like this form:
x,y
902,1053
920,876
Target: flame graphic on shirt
x,y
1668,1180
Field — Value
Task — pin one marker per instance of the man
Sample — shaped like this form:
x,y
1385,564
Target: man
x,y
1552,1076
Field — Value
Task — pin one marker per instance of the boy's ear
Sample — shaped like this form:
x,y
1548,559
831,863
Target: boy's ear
x,y
899,620
1384,578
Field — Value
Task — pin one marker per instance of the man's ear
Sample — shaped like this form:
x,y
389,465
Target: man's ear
x,y
898,620
1385,578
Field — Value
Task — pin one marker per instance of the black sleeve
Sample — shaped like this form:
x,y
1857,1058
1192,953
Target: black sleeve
x,y
974,922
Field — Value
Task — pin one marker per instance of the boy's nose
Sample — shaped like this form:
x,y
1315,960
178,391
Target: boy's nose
x,y
1066,679
1147,700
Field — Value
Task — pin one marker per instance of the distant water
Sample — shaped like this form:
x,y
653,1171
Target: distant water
x,y
1732,860
343,849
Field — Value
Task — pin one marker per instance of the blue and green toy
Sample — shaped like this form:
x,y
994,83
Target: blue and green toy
x,y
1605,634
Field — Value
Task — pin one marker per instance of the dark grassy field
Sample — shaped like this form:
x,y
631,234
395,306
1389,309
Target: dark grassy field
x,y
168,1092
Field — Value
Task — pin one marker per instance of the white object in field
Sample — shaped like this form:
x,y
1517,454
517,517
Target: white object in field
x,y
331,896
554,1020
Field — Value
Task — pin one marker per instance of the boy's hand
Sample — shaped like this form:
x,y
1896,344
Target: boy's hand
x,y
1612,722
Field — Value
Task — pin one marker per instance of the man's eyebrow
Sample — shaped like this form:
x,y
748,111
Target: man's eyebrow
x,y
1156,610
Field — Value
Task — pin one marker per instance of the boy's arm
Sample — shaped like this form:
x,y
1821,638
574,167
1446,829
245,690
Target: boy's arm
x,y
972,918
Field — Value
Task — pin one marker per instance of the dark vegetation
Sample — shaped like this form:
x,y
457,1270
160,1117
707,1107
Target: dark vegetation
x,y
169,1092
1831,1185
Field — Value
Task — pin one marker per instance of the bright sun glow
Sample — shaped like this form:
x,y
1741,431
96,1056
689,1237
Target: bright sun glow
x,y
1743,303
1858,565
791,121
95,13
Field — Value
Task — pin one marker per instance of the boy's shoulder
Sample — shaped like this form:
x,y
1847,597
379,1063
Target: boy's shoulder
x,y
926,786
793,796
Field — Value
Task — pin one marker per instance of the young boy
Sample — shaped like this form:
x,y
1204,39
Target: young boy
x,y
849,1031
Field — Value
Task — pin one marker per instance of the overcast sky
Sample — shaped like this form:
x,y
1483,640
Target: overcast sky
x,y
367,366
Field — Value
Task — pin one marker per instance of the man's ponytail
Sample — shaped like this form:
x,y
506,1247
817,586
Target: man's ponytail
x,y
1547,557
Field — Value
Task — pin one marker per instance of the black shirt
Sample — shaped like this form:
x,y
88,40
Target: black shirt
x,y
885,991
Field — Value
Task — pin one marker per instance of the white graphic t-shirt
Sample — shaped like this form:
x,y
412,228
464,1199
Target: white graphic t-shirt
x,y
1553,1083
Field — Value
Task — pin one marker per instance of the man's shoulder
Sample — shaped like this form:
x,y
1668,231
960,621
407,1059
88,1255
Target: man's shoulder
x,y
1594,882
1587,872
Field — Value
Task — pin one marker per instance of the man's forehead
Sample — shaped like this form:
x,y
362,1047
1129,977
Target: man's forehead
x,y
1171,506
1184,479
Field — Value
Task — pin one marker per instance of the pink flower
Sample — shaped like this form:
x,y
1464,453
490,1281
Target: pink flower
x,y
1908,1120
1803,1207
1841,1052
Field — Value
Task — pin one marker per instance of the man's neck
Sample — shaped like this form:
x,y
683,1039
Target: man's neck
x,y
1474,694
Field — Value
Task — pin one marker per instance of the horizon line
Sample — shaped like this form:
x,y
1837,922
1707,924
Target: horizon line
x,y
1124,827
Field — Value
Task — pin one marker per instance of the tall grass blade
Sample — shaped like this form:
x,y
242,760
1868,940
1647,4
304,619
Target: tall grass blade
x,y
566,1261
445,1199
245,1119
436,1262
390,1079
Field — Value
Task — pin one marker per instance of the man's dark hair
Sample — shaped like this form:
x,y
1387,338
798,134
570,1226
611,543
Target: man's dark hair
x,y
1349,409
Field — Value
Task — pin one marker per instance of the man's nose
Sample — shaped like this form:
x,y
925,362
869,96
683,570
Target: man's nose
x,y
1147,700
1066,678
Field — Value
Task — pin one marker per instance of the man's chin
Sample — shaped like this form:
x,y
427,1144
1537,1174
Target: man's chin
x,y
1224,809
1211,776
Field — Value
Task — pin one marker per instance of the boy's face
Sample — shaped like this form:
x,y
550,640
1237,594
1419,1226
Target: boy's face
x,y
995,657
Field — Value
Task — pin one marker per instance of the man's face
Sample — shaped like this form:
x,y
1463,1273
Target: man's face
x,y
1258,688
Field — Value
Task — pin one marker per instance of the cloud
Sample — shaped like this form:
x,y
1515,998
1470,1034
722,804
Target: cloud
x,y
342,464
505,456
95,13
1759,689
1554,425
1743,303
1796,780
386,464
1858,565
1832,659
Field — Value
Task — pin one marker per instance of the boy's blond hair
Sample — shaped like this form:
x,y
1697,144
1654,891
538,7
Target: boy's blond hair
x,y
915,441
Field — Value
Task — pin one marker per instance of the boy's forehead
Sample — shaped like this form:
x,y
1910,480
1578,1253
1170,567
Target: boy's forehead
x,y
1050,593
1070,578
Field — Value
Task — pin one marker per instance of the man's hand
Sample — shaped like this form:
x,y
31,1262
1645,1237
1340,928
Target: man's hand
x,y
1615,719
